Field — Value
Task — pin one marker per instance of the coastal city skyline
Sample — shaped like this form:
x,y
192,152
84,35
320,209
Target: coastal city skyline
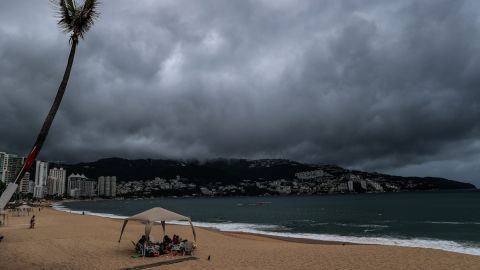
x,y
14,163
167,178
50,180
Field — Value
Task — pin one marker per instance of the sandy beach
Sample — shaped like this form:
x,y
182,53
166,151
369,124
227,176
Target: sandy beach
x,y
62,240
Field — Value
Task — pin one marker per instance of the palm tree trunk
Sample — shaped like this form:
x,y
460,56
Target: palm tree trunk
x,y
51,114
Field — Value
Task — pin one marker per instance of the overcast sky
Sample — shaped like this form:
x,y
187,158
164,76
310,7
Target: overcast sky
x,y
389,86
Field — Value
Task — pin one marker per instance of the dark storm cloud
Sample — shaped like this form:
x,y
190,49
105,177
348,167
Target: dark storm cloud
x,y
380,85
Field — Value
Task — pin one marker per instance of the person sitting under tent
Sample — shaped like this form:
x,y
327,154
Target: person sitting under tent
x,y
159,215
166,239
141,243
176,239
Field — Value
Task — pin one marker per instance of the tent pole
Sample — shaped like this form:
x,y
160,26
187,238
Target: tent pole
x,y
123,228
193,231
163,226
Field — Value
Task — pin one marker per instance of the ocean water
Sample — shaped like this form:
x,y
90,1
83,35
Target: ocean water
x,y
447,220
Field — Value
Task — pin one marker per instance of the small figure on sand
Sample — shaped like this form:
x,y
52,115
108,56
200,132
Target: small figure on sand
x,y
32,222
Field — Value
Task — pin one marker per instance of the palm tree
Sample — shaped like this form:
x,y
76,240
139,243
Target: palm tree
x,y
75,19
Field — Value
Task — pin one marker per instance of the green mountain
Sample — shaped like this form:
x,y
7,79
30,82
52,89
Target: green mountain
x,y
233,171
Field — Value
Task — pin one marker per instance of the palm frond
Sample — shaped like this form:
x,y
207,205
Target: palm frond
x,y
75,18
64,16
87,15
72,5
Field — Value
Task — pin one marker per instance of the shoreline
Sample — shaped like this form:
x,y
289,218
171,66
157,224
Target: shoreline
x,y
63,240
289,239
312,238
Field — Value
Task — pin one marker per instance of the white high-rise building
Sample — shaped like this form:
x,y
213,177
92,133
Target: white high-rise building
x,y
31,186
80,186
107,186
58,177
24,185
10,165
52,185
2,166
41,177
101,186
75,182
2,160
88,189
113,186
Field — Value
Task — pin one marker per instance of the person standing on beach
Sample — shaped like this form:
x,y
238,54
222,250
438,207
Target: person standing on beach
x,y
32,222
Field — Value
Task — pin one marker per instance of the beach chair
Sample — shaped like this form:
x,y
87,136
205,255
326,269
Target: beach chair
x,y
188,248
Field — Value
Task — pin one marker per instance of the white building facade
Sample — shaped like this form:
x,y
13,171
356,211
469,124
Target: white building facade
x,y
24,185
80,186
41,178
101,186
57,178
10,165
107,186
74,183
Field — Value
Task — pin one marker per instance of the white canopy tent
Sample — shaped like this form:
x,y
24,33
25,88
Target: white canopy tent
x,y
157,214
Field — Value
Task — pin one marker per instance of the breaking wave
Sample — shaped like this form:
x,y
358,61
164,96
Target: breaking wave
x,y
61,207
452,222
374,226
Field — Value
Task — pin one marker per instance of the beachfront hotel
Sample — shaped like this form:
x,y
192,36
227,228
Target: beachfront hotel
x,y
107,186
41,177
80,186
56,181
9,165
24,186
